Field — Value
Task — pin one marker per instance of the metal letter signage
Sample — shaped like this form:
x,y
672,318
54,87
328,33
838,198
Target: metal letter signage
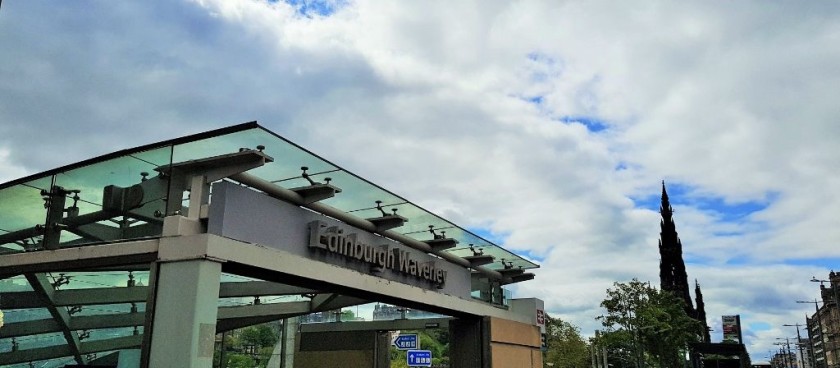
x,y
406,342
333,240
419,358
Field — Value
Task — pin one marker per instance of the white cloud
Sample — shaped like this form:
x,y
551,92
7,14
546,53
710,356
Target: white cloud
x,y
9,170
427,99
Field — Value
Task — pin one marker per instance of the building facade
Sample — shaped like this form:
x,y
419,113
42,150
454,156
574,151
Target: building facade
x,y
824,324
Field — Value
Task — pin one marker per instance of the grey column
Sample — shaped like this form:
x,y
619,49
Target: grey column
x,y
469,343
184,326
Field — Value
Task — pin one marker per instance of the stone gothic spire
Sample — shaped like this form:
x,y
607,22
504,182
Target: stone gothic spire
x,y
672,275
701,311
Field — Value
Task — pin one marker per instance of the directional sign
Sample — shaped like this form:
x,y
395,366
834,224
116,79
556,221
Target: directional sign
x,y
419,358
406,342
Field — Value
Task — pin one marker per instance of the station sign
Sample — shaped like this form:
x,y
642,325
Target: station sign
x,y
419,358
406,342
249,216
343,241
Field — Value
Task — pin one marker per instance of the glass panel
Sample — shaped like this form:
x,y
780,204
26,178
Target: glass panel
x,y
21,207
263,299
108,333
90,182
391,312
23,315
100,309
87,280
34,341
16,283
292,157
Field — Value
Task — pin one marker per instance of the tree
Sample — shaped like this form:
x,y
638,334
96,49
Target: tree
x,y
565,346
647,325
259,336
347,315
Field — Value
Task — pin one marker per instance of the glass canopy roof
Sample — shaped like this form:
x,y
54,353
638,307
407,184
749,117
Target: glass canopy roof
x,y
23,212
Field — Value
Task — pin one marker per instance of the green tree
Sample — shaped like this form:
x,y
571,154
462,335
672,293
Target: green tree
x,y
647,326
240,361
347,315
260,336
565,346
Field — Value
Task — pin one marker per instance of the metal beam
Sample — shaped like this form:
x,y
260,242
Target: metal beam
x,y
323,302
240,316
34,327
20,300
113,295
42,286
392,325
117,343
105,255
276,309
318,302
42,326
247,259
138,294
224,325
36,354
259,288
107,321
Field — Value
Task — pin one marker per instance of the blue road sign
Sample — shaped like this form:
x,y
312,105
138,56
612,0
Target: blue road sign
x,y
406,342
419,358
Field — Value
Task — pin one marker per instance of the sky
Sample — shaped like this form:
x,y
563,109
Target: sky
x,y
547,126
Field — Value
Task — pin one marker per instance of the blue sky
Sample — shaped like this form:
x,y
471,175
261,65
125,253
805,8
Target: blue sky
x,y
547,126
312,8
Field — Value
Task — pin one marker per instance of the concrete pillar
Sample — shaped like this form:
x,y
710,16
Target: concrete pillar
x,y
184,326
469,343
284,351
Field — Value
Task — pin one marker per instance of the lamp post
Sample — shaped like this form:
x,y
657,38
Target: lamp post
x,y
789,354
799,344
785,354
819,322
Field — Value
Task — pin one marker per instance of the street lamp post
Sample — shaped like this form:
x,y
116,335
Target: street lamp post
x,y
785,354
799,344
819,322
789,354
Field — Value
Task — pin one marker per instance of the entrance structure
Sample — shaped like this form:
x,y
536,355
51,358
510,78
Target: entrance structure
x,y
141,257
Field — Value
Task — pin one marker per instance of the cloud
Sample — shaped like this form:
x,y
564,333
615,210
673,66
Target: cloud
x,y
549,122
9,170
